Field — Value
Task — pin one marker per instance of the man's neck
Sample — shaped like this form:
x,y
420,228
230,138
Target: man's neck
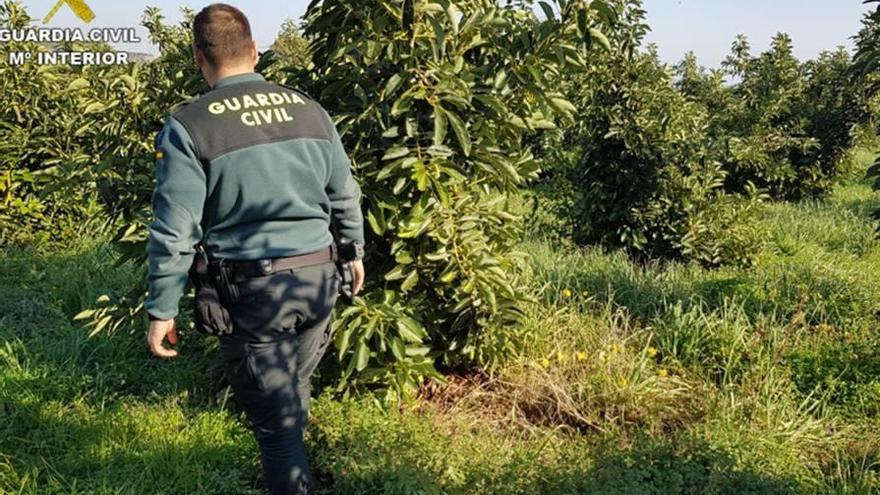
x,y
224,72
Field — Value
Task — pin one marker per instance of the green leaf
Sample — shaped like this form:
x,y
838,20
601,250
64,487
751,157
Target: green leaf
x,y
394,166
432,7
341,339
500,79
410,281
84,315
399,185
441,191
449,276
452,14
605,10
391,132
420,175
582,27
403,258
548,11
398,152
395,274
129,81
100,325
361,356
409,13
459,64
457,101
438,256
438,44
494,103
78,84
439,126
464,139
601,38
392,85
398,349
377,220
564,105
94,108
412,333
401,104
416,351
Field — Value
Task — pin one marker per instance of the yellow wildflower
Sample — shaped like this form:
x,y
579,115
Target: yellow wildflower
x,y
662,373
566,293
581,356
545,363
623,382
651,351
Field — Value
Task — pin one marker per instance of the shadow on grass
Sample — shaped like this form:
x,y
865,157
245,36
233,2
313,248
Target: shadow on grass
x,y
846,373
646,291
860,206
39,296
781,291
692,468
655,468
85,415
127,448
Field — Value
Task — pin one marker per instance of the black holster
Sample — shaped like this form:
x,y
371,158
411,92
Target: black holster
x,y
346,287
213,293
344,259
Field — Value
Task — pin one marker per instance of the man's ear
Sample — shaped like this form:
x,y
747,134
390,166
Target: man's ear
x,y
255,54
198,56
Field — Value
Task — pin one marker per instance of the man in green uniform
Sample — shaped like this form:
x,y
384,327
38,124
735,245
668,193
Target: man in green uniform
x,y
254,186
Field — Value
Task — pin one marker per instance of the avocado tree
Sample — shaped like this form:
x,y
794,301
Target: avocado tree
x,y
636,167
45,148
434,101
290,47
867,68
782,124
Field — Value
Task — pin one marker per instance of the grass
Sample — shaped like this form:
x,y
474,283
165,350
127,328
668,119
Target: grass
x,y
667,379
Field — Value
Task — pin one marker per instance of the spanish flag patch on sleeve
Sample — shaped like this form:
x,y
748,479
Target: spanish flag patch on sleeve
x,y
159,153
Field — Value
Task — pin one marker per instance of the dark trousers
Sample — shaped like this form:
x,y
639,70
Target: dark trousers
x,y
281,330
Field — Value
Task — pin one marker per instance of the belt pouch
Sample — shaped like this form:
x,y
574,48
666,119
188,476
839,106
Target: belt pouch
x,y
211,317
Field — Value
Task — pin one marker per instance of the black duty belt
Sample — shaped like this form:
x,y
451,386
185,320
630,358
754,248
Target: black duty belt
x,y
240,271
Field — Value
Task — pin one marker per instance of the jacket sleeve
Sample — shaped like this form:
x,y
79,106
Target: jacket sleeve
x,y
343,191
178,202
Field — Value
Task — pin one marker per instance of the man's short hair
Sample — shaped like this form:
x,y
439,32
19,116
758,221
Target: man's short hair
x,y
223,34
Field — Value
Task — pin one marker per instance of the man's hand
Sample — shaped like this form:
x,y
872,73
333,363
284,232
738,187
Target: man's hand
x,y
158,331
359,276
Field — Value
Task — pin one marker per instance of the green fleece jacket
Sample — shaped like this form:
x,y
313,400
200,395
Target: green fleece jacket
x,y
251,170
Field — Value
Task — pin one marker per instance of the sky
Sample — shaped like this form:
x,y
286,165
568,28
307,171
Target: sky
x,y
708,27
705,26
